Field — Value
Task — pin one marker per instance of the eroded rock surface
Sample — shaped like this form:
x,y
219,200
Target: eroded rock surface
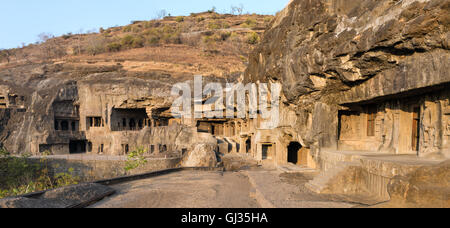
x,y
60,198
426,187
327,53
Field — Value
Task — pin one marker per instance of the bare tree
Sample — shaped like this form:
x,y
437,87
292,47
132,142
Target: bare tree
x,y
96,45
43,37
5,54
49,46
161,14
79,37
237,10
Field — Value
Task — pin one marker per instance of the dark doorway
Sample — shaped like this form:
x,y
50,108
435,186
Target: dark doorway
x,y
248,145
65,125
293,149
416,129
266,150
77,147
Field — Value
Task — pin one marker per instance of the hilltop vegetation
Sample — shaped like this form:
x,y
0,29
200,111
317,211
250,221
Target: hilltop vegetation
x,y
208,34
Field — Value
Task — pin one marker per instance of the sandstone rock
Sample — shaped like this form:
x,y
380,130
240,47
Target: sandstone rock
x,y
22,202
426,187
202,155
330,54
77,194
61,197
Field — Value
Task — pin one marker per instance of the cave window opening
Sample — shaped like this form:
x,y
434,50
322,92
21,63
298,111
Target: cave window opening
x,y
124,123
73,125
77,147
125,148
64,125
100,148
132,124
140,124
95,121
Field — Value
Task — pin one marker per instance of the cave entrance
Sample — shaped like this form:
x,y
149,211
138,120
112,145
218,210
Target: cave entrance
x,y
293,151
267,151
77,147
248,145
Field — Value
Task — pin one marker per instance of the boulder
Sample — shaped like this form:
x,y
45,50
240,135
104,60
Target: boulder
x,y
202,155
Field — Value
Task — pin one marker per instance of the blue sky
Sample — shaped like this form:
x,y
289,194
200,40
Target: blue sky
x,y
22,20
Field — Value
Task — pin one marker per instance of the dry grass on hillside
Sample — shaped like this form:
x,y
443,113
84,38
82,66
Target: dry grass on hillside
x,y
205,43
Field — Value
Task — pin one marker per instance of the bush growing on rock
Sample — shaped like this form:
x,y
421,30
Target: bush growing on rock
x,y
253,38
179,19
136,159
19,176
114,47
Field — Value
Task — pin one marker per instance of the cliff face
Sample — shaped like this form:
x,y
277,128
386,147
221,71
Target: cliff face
x,y
328,53
52,92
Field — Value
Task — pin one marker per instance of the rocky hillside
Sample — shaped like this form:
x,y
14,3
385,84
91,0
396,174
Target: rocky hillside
x,y
131,66
330,52
204,43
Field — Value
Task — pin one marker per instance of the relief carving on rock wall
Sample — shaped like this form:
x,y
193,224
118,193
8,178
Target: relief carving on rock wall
x,y
446,119
447,127
349,127
387,129
430,130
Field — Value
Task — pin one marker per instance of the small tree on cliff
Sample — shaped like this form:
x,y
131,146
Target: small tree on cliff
x,y
136,159
5,55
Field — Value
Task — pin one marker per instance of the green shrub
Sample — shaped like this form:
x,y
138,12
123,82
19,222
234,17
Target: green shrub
x,y
250,23
225,35
114,47
127,28
213,10
136,159
138,42
253,38
136,29
268,19
20,176
127,41
214,26
200,19
153,40
179,19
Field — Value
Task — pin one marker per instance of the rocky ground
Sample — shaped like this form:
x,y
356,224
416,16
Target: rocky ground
x,y
243,189
66,197
184,190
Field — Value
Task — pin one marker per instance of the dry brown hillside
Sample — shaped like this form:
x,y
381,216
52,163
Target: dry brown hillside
x,y
204,43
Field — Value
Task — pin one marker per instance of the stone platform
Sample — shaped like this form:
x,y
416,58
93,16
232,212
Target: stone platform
x,y
357,172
